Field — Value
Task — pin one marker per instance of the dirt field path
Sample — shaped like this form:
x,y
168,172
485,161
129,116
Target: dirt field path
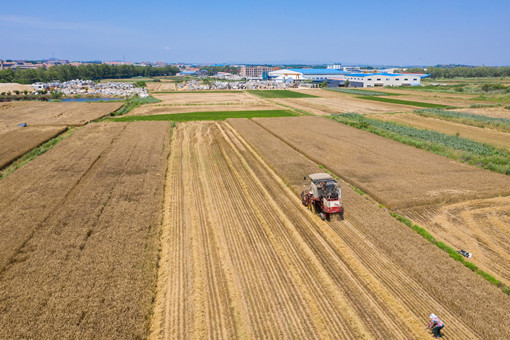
x,y
249,261
79,230
489,136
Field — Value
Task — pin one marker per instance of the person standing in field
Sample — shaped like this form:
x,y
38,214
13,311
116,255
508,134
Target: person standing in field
x,y
436,324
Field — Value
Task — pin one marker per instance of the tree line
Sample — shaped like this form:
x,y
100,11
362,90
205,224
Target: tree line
x,y
461,71
86,72
212,70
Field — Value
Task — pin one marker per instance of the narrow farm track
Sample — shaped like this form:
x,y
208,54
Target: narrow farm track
x,y
242,258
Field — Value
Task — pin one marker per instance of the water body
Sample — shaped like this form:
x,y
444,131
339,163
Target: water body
x,y
90,99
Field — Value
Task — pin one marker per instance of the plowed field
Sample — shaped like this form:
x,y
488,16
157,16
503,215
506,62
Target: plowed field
x,y
17,141
79,230
44,113
488,136
395,174
481,227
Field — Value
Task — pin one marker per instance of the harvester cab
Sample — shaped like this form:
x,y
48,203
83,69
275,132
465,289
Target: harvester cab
x,y
323,196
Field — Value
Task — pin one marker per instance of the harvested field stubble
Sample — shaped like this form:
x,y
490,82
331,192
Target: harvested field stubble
x,y
395,174
44,113
17,141
396,256
481,227
80,227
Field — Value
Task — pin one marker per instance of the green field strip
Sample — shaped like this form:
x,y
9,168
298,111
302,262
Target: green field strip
x,y
207,115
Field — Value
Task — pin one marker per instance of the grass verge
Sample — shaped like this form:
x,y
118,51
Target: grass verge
x,y
451,252
472,119
35,152
360,92
279,94
212,115
404,102
455,147
133,103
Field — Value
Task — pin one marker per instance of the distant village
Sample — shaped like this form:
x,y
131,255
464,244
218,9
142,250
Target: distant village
x,y
239,77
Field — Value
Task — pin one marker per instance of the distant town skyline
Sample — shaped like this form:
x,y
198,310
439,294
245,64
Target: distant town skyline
x,y
283,32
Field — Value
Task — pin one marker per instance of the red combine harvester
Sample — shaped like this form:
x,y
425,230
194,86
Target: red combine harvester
x,y
324,196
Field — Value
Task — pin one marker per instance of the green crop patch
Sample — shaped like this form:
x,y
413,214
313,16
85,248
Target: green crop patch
x,y
210,115
279,94
472,119
404,102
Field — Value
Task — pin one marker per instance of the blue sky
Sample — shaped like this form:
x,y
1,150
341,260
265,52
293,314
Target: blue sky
x,y
279,31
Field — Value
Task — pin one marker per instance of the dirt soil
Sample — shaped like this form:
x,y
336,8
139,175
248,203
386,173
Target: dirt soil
x,y
79,230
47,113
6,87
408,284
16,142
484,135
481,227
396,174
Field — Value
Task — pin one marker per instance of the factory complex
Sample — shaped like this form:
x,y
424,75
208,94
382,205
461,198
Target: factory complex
x,y
335,77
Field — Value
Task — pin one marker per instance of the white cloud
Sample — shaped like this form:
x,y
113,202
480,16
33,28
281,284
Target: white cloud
x,y
166,48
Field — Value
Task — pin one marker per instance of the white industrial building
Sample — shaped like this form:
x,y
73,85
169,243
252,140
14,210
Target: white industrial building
x,y
285,75
383,79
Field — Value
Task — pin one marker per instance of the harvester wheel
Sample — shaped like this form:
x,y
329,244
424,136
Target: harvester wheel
x,y
341,215
322,216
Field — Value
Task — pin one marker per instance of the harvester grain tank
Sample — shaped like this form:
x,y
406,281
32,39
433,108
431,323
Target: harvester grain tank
x,y
323,196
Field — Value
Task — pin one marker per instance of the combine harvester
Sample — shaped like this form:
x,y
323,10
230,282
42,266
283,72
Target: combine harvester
x,y
324,196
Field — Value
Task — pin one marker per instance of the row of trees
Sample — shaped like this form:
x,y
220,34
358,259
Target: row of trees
x,y
91,72
462,71
212,70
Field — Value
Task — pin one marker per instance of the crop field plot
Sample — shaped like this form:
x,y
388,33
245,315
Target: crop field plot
x,y
251,261
212,115
79,230
483,135
162,86
44,113
16,142
481,227
497,112
341,103
395,174
204,101
270,94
